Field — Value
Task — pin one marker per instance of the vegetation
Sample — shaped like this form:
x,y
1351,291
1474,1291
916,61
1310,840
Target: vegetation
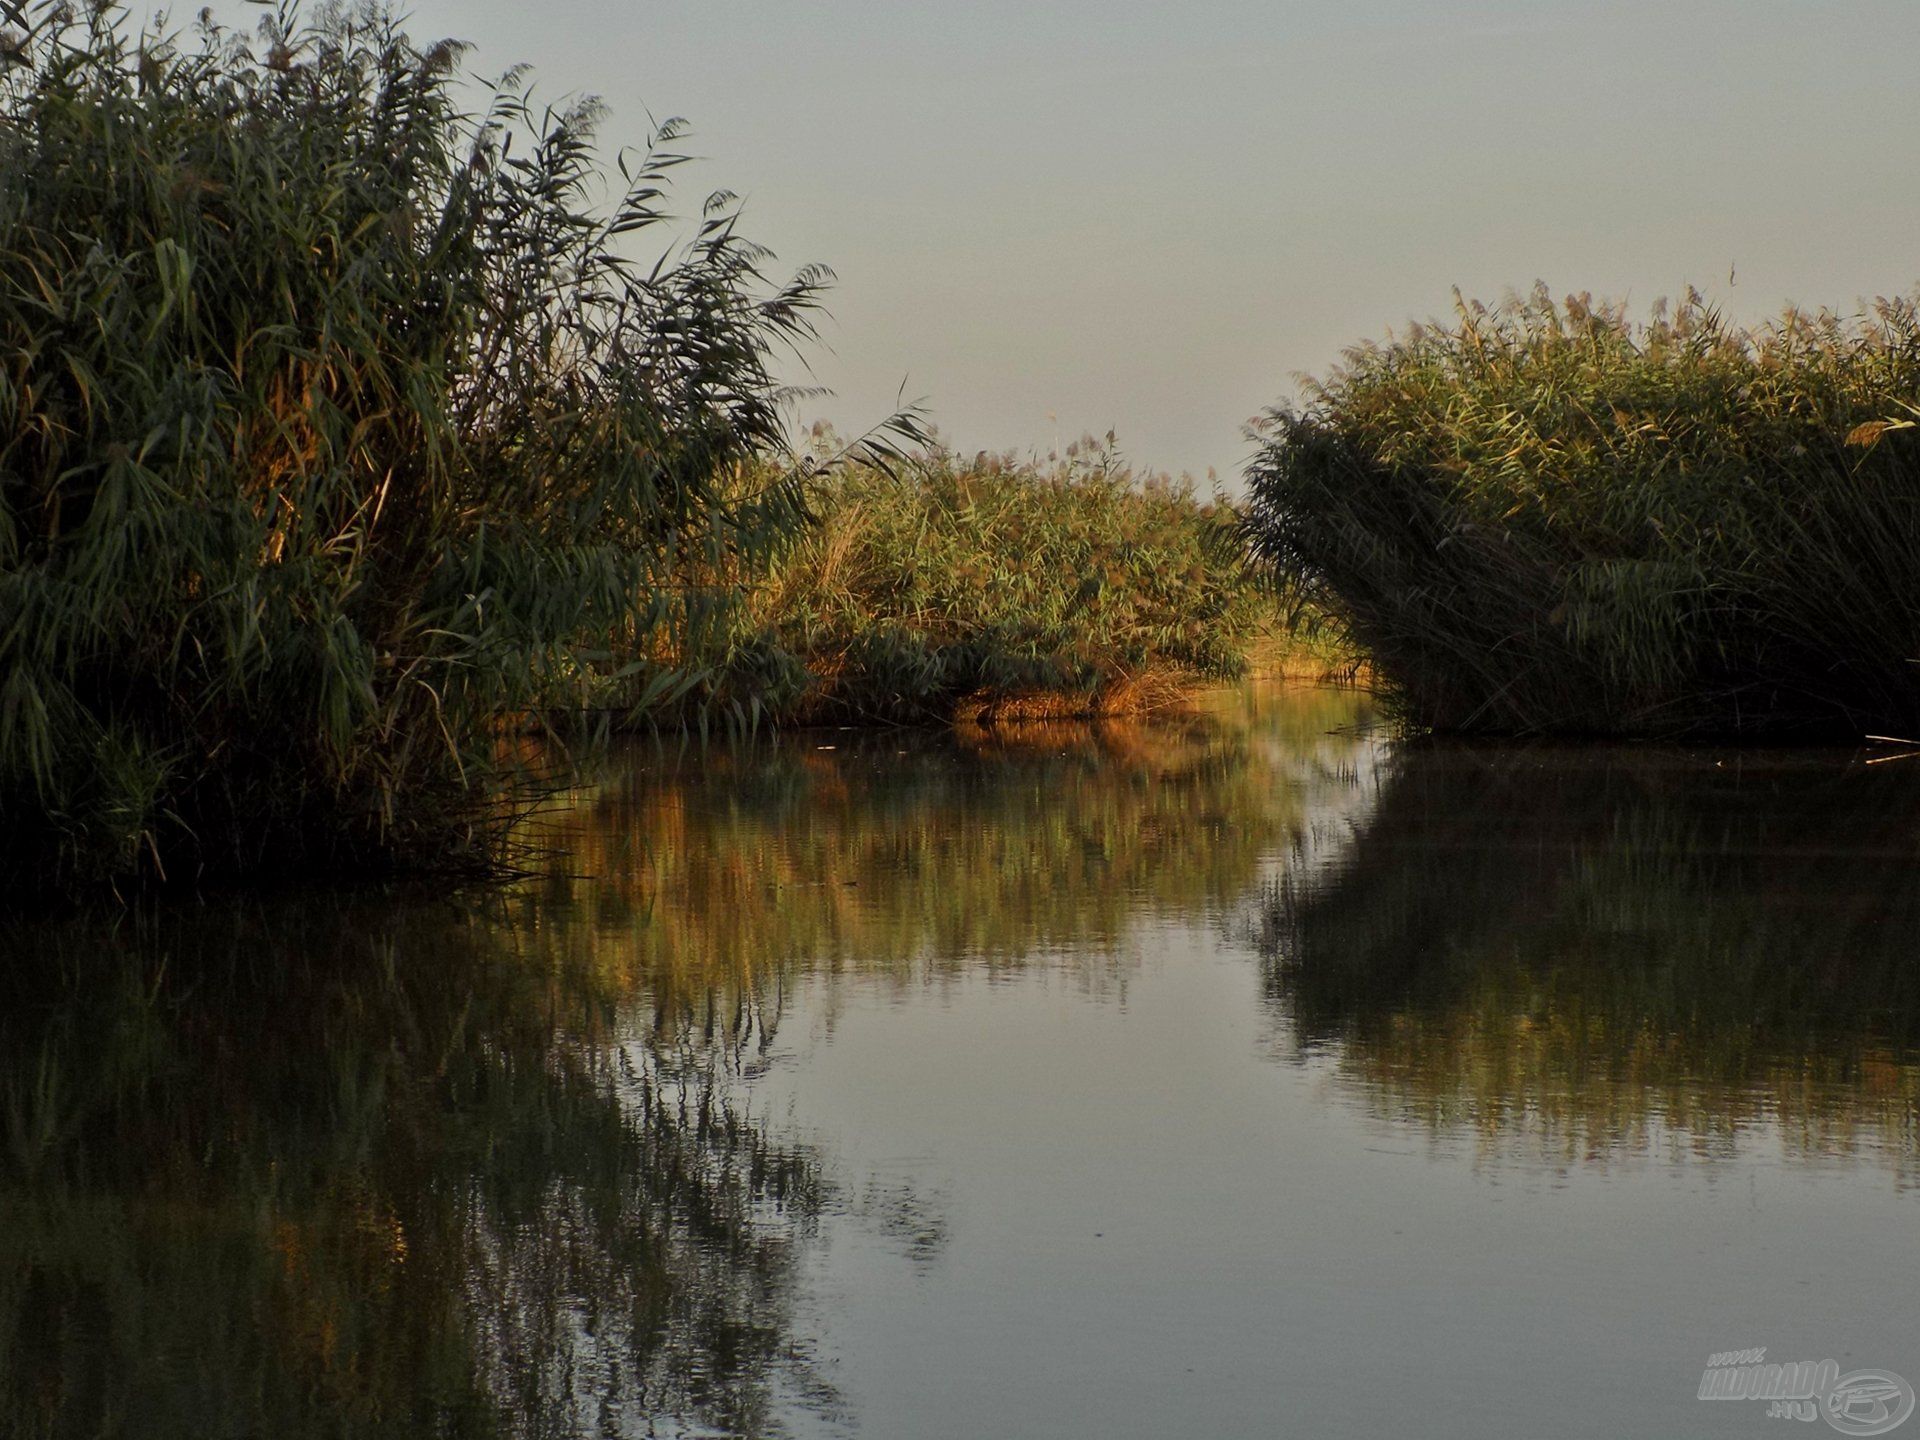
x,y
341,430
1547,517
337,426
983,589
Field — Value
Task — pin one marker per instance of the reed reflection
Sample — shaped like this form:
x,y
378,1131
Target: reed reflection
x,y
904,858
377,1169
1581,955
401,1165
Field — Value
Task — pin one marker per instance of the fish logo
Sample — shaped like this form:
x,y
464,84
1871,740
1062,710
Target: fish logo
x,y
1867,1402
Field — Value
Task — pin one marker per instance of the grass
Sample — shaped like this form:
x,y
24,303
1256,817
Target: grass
x,y
979,590
1549,517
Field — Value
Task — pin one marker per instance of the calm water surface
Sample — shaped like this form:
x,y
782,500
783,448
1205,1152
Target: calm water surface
x,y
1244,1074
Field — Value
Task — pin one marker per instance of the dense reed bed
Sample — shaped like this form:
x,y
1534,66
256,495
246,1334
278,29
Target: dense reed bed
x,y
339,426
345,429
928,587
1549,517
989,588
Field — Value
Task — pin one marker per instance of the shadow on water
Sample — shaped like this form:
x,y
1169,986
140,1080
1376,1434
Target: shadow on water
x,y
1579,955
376,1169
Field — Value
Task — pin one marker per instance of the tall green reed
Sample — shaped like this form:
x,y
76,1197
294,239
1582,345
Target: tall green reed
x,y
339,424
1549,517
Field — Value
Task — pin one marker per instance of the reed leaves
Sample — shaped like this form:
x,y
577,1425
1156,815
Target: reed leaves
x,y
338,424
983,588
1548,517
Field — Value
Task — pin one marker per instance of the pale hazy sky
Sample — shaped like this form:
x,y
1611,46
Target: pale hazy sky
x,y
1150,216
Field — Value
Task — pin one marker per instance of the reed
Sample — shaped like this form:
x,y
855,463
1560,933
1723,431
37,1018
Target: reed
x,y
339,424
1550,517
982,589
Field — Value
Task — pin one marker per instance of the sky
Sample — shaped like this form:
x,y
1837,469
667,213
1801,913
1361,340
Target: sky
x,y
1151,218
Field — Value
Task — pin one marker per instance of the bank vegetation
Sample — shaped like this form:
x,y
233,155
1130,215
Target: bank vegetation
x,y
1550,516
355,420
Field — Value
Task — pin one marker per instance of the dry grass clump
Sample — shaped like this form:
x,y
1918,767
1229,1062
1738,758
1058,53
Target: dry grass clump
x,y
1549,517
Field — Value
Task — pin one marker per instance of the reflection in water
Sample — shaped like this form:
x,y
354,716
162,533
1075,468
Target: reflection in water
x,y
1581,954
900,857
399,1166
373,1170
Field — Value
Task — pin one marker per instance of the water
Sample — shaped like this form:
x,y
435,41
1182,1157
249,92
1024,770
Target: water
x,y
1241,1074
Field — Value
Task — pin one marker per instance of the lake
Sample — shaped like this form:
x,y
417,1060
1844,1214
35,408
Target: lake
x,y
1246,1072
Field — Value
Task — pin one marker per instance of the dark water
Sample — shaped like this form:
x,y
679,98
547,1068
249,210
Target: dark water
x,y
1244,1074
